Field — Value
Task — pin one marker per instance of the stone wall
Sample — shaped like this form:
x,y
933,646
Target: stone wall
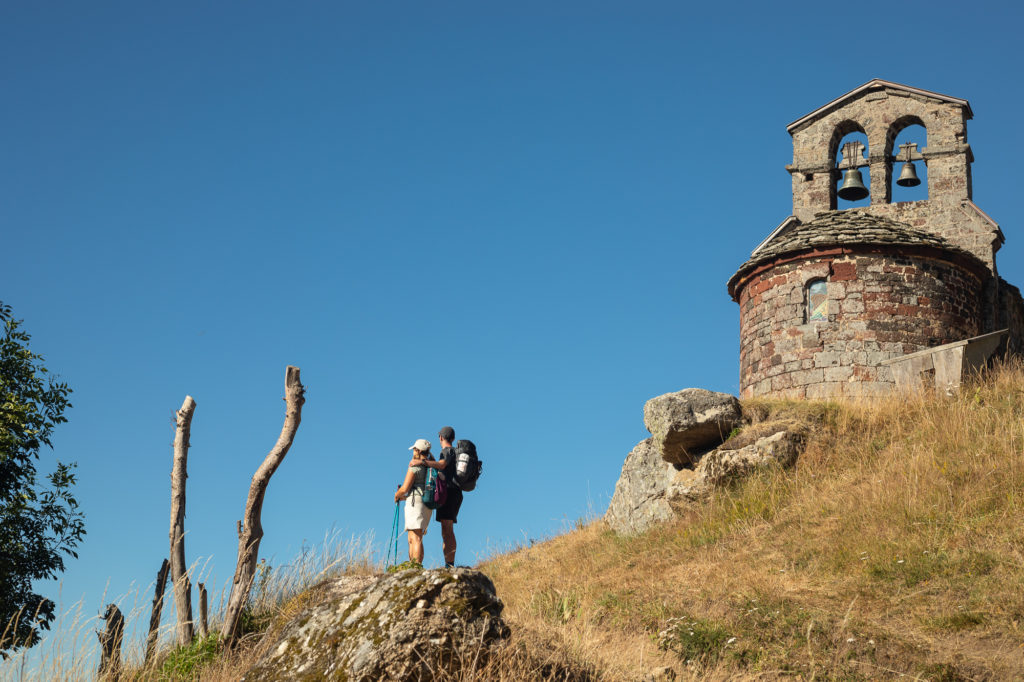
x,y
1011,316
881,305
961,223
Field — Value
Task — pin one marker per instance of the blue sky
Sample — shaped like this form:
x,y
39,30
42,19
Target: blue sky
x,y
514,218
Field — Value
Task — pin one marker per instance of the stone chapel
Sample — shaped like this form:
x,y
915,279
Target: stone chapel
x,y
834,296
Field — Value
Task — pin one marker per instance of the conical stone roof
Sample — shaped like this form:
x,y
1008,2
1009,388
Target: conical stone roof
x,y
846,228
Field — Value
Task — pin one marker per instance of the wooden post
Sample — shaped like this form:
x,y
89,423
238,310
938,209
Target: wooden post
x,y
110,643
204,628
179,570
251,531
158,605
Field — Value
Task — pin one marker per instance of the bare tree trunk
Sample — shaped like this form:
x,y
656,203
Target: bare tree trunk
x,y
251,532
158,605
179,571
110,643
204,627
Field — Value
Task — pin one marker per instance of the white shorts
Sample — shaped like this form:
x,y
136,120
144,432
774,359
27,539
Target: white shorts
x,y
417,515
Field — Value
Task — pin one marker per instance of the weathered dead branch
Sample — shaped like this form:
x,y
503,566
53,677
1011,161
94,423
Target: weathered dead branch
x,y
110,643
204,623
250,532
158,605
179,570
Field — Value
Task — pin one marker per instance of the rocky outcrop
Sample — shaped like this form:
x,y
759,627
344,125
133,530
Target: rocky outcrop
x,y
639,500
722,466
393,627
685,459
687,423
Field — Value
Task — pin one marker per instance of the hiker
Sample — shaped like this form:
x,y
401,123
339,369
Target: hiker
x,y
417,516
448,513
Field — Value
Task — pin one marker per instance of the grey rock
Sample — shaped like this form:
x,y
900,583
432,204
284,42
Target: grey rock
x,y
639,499
688,486
392,627
720,467
689,422
723,466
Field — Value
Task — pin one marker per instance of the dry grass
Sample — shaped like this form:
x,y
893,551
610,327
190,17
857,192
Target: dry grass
x,y
894,547
69,652
279,593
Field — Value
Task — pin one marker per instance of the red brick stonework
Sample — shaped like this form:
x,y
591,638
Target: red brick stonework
x,y
882,303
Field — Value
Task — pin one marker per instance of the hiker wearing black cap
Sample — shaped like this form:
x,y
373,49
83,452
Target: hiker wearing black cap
x,y
448,513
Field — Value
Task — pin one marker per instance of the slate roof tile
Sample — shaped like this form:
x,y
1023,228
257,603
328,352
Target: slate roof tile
x,y
842,228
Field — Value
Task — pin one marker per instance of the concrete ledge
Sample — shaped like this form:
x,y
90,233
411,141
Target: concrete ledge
x,y
943,367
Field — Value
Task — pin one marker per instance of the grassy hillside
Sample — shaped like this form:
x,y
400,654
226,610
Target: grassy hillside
x,y
894,547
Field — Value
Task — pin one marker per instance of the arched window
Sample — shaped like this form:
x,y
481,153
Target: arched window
x,y
816,309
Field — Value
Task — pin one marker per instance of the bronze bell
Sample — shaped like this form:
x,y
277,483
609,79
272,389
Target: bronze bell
x,y
853,187
908,176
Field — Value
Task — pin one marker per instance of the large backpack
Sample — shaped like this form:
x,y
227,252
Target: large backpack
x,y
435,490
467,465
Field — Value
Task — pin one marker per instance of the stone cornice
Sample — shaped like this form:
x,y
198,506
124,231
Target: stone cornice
x,y
876,84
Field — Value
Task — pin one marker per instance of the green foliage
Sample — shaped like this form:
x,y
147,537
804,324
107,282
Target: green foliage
x,y
183,663
256,615
253,620
694,639
39,523
405,565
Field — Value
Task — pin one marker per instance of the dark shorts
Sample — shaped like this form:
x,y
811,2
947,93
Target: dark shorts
x,y
449,511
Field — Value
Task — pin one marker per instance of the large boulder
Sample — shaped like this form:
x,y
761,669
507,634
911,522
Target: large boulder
x,y
687,423
720,467
639,499
393,627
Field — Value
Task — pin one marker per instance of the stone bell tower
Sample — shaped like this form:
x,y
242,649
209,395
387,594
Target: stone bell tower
x,y
881,110
832,296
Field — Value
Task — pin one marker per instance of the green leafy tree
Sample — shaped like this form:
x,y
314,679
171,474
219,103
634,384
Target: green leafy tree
x,y
40,523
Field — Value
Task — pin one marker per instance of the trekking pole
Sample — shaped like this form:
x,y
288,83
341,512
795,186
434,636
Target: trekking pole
x,y
393,540
395,561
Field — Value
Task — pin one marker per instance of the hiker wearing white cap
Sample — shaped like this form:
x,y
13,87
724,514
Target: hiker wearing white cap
x,y
417,515
448,513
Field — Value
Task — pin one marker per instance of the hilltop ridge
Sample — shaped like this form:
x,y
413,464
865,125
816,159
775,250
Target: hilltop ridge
x,y
893,547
